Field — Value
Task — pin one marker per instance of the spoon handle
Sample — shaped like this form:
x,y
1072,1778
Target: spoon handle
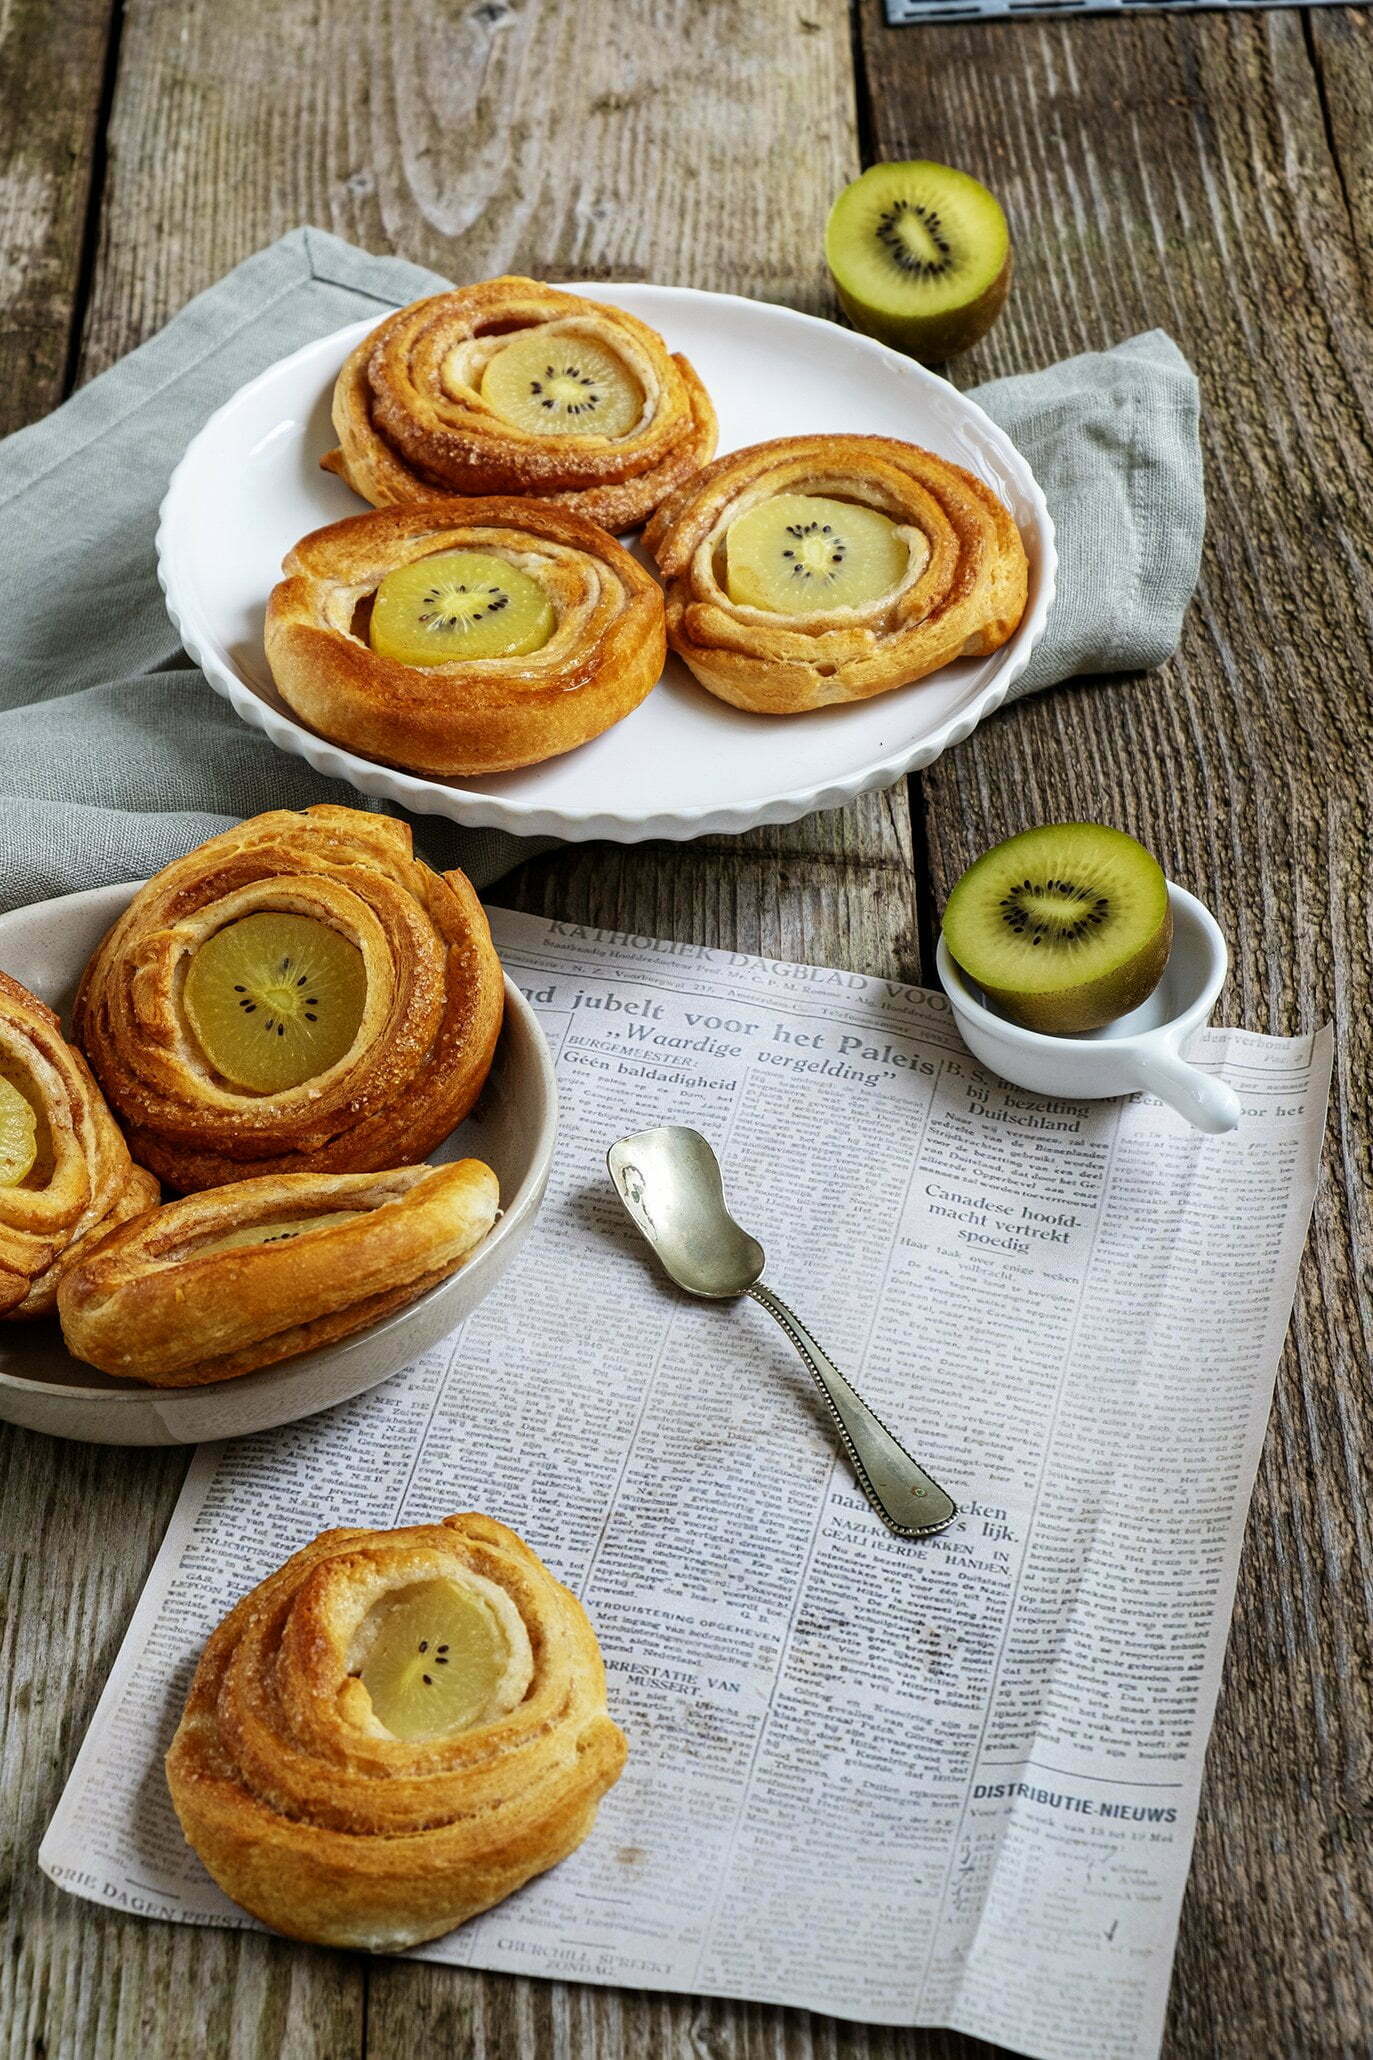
x,y
902,1493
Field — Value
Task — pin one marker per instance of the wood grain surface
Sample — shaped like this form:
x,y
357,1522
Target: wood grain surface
x,y
1212,175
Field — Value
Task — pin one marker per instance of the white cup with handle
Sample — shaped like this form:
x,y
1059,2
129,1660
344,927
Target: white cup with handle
x,y
1141,1052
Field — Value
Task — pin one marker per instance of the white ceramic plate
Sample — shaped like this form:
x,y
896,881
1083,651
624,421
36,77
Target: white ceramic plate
x,y
683,763
512,1128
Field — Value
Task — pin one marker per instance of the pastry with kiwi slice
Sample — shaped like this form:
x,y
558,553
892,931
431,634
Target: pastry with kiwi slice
x,y
920,255
455,638
1065,928
301,994
393,1731
514,387
818,569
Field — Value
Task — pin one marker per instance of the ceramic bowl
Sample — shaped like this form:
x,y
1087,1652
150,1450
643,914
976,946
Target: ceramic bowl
x,y
1139,1052
512,1127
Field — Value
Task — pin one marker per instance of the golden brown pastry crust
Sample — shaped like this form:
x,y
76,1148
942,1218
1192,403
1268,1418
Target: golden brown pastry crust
x,y
435,998
468,716
411,422
331,1830
151,1303
963,596
83,1181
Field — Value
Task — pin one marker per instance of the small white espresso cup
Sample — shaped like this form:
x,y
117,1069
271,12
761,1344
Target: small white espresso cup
x,y
1141,1051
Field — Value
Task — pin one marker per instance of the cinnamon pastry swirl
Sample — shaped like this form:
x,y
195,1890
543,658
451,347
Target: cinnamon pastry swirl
x,y
65,1172
512,387
301,994
221,1283
393,1732
817,569
464,637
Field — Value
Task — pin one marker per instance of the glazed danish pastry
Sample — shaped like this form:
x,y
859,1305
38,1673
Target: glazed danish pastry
x,y
65,1171
392,1733
512,387
817,569
300,995
221,1283
462,637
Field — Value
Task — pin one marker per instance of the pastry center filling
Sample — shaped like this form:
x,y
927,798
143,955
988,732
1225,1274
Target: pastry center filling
x,y
18,1134
799,554
551,383
436,1658
274,999
280,1232
458,605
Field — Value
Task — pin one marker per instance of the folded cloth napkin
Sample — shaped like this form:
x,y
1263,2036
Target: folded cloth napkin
x,y
116,757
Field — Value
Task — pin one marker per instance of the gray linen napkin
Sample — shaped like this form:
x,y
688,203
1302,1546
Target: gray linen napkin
x,y
115,757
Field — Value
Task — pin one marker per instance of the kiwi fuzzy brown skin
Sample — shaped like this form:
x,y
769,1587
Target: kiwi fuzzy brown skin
x,y
932,339
1098,1002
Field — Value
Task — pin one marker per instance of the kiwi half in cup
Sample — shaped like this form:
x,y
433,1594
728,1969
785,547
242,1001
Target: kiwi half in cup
x,y
921,257
1064,928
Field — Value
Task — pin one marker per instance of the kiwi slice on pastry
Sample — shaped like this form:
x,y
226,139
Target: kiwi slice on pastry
x,y
799,553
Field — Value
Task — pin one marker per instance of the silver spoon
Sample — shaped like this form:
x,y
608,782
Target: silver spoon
x,y
669,1181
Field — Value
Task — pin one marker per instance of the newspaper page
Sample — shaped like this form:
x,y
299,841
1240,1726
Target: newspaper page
x,y
943,1782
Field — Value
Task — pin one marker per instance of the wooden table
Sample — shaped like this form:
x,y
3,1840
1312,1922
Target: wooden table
x,y
1211,174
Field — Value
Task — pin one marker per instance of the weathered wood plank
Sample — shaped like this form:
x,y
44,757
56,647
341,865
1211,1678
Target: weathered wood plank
x,y
1341,42
1179,172
52,68
593,142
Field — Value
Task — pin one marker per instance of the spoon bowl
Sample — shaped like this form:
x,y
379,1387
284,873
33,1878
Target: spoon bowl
x,y
670,1183
687,1223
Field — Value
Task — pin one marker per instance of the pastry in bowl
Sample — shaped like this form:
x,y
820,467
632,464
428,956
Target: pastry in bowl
x,y
66,1176
393,1732
299,995
513,387
818,569
459,637
221,1283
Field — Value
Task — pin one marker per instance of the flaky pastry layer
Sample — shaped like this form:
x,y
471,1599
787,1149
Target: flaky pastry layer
x,y
467,716
161,1301
434,1002
325,1826
411,422
963,594
82,1182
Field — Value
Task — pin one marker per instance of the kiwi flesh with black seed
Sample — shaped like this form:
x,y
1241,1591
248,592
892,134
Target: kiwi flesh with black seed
x,y
1064,928
920,255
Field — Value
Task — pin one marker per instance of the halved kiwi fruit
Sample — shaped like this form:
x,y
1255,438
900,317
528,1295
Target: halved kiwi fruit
x,y
274,999
553,383
1064,928
459,604
921,257
800,552
436,1657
